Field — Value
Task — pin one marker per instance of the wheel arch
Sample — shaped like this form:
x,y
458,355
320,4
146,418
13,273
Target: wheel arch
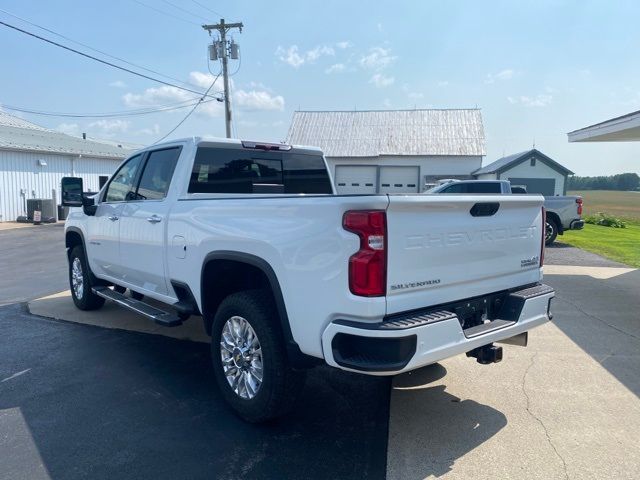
x,y
72,238
245,271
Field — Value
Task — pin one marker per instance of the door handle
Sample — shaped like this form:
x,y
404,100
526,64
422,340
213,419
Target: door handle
x,y
113,218
154,219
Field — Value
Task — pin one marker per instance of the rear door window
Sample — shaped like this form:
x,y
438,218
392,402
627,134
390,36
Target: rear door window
x,y
218,170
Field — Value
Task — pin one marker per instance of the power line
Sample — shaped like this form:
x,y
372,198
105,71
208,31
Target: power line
x,y
190,112
184,10
207,8
164,13
100,60
94,49
126,113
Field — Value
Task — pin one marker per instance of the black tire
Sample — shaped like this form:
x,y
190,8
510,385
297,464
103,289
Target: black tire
x,y
281,384
119,289
136,295
551,231
83,297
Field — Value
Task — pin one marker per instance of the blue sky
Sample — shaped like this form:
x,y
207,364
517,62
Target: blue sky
x,y
536,69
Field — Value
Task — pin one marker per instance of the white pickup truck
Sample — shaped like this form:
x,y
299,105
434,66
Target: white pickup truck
x,y
286,274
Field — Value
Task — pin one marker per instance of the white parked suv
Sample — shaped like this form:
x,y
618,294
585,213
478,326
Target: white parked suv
x,y
286,274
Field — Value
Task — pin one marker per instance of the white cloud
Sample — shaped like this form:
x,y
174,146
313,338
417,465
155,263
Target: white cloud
x,y
541,100
343,45
506,74
258,100
69,128
256,97
380,81
290,56
296,58
155,130
415,95
118,84
336,68
377,58
443,83
320,51
110,127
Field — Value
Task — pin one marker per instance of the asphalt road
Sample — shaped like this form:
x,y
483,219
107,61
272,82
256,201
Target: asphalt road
x,y
33,263
80,402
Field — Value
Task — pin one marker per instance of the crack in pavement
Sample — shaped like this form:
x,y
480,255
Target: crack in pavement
x,y
533,415
595,317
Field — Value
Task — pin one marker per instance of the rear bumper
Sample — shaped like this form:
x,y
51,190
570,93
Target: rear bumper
x,y
576,224
405,342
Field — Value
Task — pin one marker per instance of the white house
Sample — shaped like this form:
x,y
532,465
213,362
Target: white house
x,y
531,169
33,159
390,151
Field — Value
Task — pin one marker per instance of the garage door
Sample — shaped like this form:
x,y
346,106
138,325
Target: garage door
x,y
545,186
399,179
359,179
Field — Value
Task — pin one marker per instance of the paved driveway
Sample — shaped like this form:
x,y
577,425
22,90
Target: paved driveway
x,y
33,262
81,401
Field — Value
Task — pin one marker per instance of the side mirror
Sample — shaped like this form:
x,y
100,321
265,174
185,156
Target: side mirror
x,y
72,192
72,196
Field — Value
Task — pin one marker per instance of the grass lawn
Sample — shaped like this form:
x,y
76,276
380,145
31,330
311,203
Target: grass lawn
x,y
619,244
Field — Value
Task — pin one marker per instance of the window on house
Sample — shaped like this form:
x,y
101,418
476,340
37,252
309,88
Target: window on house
x,y
533,161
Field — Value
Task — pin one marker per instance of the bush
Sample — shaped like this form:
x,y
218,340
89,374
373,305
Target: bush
x,y
605,220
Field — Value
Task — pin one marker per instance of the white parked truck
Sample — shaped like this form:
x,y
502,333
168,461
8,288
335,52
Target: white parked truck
x,y
286,274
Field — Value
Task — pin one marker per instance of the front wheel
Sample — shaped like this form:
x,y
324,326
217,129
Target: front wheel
x,y
80,282
249,358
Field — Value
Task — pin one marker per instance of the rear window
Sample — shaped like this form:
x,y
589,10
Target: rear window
x,y
475,187
217,170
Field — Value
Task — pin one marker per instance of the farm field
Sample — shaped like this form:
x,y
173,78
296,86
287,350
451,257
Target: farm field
x,y
620,204
619,244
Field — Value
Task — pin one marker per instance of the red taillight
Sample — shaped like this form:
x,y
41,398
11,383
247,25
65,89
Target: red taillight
x,y
368,266
544,231
579,202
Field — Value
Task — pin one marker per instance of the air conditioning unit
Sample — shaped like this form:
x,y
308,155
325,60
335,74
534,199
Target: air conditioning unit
x,y
46,206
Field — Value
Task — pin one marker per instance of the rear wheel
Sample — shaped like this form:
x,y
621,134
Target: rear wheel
x,y
249,358
551,231
81,281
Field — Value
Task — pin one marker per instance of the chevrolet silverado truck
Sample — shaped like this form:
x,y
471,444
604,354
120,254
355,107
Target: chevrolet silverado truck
x,y
563,212
286,274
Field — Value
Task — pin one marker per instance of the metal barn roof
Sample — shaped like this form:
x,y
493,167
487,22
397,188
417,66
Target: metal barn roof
x,y
19,134
390,132
505,163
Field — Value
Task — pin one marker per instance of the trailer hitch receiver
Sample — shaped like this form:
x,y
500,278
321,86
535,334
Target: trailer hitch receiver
x,y
486,354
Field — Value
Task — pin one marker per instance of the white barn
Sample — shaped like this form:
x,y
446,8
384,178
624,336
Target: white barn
x,y
392,151
531,169
33,160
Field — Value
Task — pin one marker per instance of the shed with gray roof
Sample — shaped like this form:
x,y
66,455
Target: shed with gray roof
x,y
393,151
531,169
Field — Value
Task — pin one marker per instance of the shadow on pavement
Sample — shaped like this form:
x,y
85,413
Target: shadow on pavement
x,y
110,404
440,427
601,317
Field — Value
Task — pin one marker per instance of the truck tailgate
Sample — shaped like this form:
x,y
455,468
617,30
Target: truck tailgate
x,y
443,248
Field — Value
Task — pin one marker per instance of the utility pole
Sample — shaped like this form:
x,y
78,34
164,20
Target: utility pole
x,y
222,49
